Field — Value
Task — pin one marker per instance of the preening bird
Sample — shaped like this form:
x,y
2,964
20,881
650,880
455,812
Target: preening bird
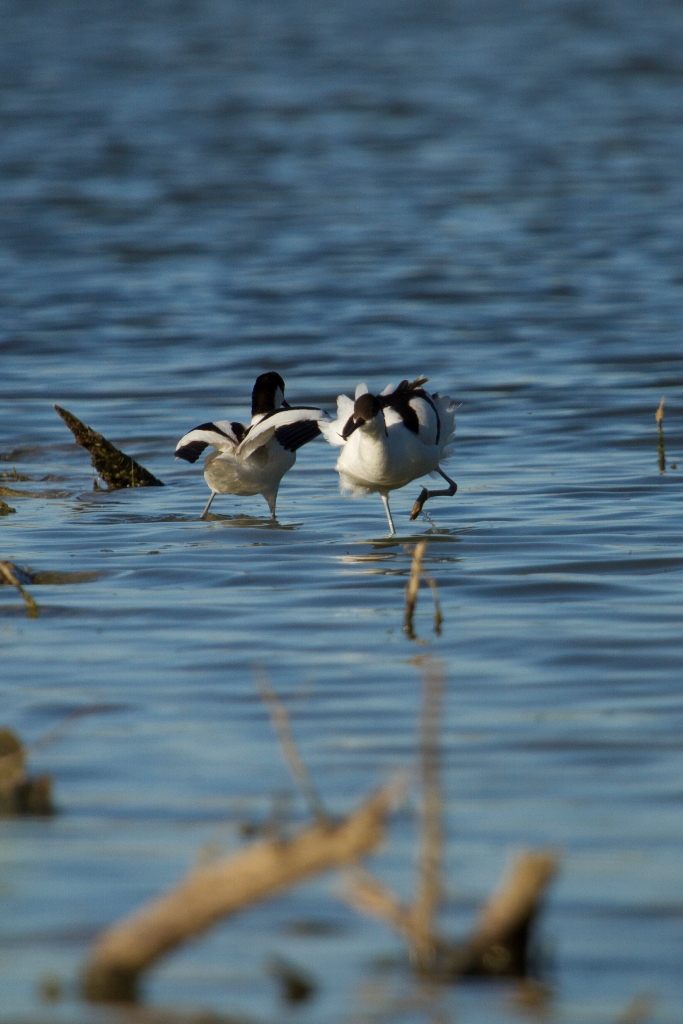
x,y
390,439
253,459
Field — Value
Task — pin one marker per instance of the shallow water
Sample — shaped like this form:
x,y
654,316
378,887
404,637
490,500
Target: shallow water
x,y
488,193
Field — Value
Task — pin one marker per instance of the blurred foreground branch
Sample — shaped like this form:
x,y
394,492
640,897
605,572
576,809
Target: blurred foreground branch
x,y
283,730
225,887
428,894
499,941
639,1010
20,794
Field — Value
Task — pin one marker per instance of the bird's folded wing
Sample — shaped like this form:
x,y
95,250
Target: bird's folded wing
x,y
446,409
292,427
223,435
332,429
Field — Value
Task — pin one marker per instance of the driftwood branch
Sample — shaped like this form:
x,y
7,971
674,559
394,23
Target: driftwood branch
x,y
366,894
117,469
498,944
225,887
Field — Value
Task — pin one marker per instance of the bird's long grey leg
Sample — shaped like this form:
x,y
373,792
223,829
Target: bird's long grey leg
x,y
208,505
426,494
271,499
385,501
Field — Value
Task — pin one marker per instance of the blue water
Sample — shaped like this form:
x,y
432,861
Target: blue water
x,y
486,193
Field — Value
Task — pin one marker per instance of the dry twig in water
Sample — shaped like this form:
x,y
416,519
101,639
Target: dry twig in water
x,y
413,586
8,572
367,895
58,730
415,922
280,721
223,888
659,417
117,469
412,589
498,944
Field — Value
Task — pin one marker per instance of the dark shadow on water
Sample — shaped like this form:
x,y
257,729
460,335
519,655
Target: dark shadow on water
x,y
133,518
391,556
243,522
431,536
58,578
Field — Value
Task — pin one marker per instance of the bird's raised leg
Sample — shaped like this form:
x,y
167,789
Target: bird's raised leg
x,y
208,505
385,501
426,494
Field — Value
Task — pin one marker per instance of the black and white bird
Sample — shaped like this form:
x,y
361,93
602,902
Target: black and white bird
x,y
253,459
390,439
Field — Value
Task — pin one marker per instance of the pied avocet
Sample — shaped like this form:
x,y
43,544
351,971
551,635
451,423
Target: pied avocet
x,y
253,459
390,439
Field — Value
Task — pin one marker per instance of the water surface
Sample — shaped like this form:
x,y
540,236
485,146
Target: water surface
x,y
486,193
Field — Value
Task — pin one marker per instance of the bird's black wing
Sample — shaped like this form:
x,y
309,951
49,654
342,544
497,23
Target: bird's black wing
x,y
223,435
295,435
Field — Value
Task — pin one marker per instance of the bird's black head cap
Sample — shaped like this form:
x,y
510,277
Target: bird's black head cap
x,y
365,408
265,397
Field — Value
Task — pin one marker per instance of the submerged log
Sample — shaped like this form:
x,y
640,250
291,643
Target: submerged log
x,y
296,985
18,793
117,469
499,943
222,888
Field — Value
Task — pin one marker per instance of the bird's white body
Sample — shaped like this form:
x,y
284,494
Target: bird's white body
x,y
403,436
231,469
253,459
